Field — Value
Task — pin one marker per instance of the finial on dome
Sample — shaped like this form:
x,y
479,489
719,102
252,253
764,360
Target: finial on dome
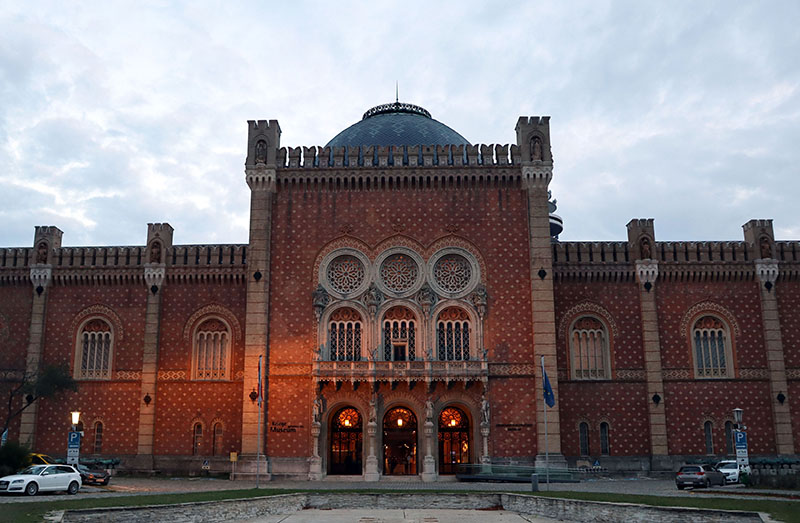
x,y
396,92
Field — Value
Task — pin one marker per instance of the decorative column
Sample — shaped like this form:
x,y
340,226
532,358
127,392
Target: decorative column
x,y
159,241
641,238
485,428
533,141
315,463
371,470
45,240
761,243
260,173
428,463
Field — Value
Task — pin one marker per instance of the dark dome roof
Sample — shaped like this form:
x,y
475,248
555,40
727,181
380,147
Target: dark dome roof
x,y
397,124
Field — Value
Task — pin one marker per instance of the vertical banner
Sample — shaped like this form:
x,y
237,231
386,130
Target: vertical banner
x,y
260,386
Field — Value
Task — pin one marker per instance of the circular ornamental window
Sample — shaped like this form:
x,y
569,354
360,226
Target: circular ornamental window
x,y
346,274
452,273
399,272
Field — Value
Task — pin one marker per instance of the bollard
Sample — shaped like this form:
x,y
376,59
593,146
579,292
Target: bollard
x,y
534,482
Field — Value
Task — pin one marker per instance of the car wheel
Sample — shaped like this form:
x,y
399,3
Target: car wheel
x,y
31,488
73,488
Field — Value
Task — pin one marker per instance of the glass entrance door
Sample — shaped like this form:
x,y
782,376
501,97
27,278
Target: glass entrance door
x,y
346,442
399,442
453,440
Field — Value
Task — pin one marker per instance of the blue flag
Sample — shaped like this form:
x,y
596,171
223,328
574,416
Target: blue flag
x,y
549,397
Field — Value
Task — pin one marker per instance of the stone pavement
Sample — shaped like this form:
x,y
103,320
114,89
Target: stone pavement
x,y
400,516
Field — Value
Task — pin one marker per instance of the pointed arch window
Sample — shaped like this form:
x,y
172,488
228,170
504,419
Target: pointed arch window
x,y
583,438
711,348
589,349
453,333
197,438
212,348
98,438
399,335
95,350
216,444
708,433
605,447
345,333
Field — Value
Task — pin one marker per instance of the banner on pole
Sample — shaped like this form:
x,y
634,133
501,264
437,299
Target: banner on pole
x,y
549,397
260,388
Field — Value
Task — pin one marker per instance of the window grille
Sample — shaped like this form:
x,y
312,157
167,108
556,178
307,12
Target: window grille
x,y
711,348
583,436
399,335
212,351
95,347
590,353
453,335
217,442
345,335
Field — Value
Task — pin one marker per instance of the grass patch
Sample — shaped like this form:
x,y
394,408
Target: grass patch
x,y
30,512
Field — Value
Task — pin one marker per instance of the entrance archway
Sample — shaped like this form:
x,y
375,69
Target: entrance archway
x,y
453,440
399,442
346,442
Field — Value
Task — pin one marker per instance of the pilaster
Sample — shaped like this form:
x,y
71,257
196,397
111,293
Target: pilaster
x,y
159,241
45,240
758,235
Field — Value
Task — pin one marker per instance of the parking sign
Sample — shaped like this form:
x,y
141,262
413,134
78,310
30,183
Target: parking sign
x,y
741,440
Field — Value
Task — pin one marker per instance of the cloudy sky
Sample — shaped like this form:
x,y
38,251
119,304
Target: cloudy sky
x,y
115,114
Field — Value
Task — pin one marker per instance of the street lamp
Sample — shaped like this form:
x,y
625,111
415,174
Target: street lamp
x,y
76,418
737,417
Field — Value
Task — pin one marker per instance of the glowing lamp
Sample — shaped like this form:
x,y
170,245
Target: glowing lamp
x,y
76,417
452,423
399,422
347,423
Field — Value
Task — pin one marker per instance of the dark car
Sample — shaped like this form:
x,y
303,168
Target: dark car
x,y
698,476
93,476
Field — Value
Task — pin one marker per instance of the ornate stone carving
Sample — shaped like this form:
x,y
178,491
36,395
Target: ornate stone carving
x,y
261,151
765,247
479,298
320,299
536,149
647,272
707,307
41,252
485,412
316,410
154,274
373,299
41,276
587,308
212,310
155,252
767,271
426,298
428,410
373,409
644,248
346,228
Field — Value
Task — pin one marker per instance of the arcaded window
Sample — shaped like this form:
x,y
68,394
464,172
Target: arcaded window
x,y
95,350
212,348
453,334
605,448
197,438
98,438
583,437
216,447
345,333
589,349
399,335
708,433
712,350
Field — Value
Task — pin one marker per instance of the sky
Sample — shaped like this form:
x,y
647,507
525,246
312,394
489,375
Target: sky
x,y
114,114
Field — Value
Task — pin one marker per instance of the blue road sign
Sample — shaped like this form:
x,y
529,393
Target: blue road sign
x,y
74,440
741,440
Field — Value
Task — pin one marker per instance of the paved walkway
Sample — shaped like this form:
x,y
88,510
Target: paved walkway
x,y
401,516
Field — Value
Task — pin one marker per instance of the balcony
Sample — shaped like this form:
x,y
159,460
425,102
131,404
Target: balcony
x,y
395,371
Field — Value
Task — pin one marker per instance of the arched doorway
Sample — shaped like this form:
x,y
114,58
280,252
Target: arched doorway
x,y
453,440
346,442
399,442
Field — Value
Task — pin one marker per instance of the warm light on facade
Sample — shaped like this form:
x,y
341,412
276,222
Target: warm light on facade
x,y
76,417
453,423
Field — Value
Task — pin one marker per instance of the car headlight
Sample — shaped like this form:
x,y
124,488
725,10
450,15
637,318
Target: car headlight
x,y
18,481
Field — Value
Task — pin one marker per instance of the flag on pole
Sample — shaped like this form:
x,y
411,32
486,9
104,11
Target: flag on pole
x,y
260,388
549,397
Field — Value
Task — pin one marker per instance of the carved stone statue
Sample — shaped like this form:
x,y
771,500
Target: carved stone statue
x,y
426,298
536,149
41,252
485,414
485,354
428,410
479,298
766,250
320,299
373,410
155,252
373,298
316,412
261,151
645,248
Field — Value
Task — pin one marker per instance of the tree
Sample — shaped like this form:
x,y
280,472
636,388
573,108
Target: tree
x,y
52,380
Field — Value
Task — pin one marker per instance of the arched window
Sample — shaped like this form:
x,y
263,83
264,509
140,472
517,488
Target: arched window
x,y
98,438
729,441
589,348
583,436
197,438
212,348
453,334
708,432
712,350
453,440
345,334
346,442
399,335
605,448
95,350
216,444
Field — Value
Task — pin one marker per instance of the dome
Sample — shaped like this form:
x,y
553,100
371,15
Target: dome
x,y
397,124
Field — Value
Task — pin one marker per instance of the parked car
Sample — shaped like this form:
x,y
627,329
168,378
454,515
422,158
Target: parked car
x,y
42,459
730,469
93,476
698,476
42,478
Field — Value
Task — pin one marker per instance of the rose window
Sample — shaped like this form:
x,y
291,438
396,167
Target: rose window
x,y
346,274
452,273
399,272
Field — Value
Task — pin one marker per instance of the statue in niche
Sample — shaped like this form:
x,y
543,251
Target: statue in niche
x,y
485,414
316,412
155,252
645,248
426,298
261,151
374,298
766,250
41,252
429,410
536,149
373,410
320,299
479,298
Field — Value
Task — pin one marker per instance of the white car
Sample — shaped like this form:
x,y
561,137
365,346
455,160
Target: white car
x,y
44,478
731,470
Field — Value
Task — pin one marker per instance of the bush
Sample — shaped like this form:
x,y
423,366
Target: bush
x,y
13,457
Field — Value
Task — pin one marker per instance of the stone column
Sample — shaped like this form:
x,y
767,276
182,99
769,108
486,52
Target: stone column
x,y
260,173
760,240
159,241
533,140
45,240
641,244
429,463
315,463
371,471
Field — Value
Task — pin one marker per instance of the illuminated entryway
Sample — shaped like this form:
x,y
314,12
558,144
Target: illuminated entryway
x,y
453,440
346,442
399,442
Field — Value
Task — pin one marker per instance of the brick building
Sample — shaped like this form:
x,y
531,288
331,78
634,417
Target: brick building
x,y
401,287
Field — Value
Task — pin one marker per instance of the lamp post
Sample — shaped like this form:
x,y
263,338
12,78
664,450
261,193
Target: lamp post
x,y
740,440
74,440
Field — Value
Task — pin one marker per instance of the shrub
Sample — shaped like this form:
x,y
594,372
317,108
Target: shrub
x,y
13,457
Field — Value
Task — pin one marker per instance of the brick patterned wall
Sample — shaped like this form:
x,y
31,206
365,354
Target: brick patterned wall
x,y
788,293
794,394
15,316
513,402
